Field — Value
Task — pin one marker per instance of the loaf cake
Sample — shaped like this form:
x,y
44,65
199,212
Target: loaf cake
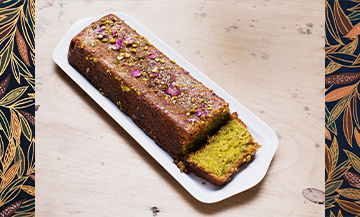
x,y
224,153
163,99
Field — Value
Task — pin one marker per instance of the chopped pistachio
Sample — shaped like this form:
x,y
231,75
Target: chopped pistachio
x,y
173,61
120,58
133,50
100,36
104,40
113,41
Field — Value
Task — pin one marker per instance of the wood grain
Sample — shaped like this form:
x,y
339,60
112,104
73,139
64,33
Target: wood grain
x,y
266,54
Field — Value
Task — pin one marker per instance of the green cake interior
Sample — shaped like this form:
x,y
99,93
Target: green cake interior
x,y
223,151
200,138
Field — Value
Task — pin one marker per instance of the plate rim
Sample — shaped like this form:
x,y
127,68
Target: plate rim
x,y
130,129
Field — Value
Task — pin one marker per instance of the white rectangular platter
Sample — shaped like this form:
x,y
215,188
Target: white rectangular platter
x,y
249,175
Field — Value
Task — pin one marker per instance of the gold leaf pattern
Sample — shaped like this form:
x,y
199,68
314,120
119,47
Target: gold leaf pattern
x,y
17,56
354,31
348,124
331,49
15,126
334,153
350,48
339,93
9,175
21,45
354,160
332,67
352,179
9,155
336,111
342,20
328,162
357,61
349,207
28,189
332,187
357,136
350,193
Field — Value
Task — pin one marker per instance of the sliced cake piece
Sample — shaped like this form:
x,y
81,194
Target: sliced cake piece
x,y
224,153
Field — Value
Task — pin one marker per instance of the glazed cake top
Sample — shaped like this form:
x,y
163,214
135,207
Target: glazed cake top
x,y
142,68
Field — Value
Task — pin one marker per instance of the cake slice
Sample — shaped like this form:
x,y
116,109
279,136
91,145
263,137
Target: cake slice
x,y
224,153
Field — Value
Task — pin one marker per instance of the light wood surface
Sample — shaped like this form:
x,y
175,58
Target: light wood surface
x,y
266,54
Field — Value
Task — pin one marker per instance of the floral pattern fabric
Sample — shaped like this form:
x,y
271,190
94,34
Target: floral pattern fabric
x,y
342,127
17,108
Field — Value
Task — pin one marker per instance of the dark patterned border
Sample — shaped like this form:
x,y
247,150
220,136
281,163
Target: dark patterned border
x,y
17,109
342,127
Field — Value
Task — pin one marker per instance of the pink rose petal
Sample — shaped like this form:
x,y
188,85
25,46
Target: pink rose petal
x,y
118,44
201,113
101,29
128,39
152,56
191,120
114,32
186,72
173,91
136,73
140,97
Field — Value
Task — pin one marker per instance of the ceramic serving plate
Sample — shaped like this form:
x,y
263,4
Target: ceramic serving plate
x,y
250,175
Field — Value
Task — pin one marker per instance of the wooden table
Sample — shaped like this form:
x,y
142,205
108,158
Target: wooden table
x,y
269,55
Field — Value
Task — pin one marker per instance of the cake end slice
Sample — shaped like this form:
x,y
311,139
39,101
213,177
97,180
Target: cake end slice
x,y
224,153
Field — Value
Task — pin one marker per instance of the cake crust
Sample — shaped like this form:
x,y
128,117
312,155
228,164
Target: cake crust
x,y
162,98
